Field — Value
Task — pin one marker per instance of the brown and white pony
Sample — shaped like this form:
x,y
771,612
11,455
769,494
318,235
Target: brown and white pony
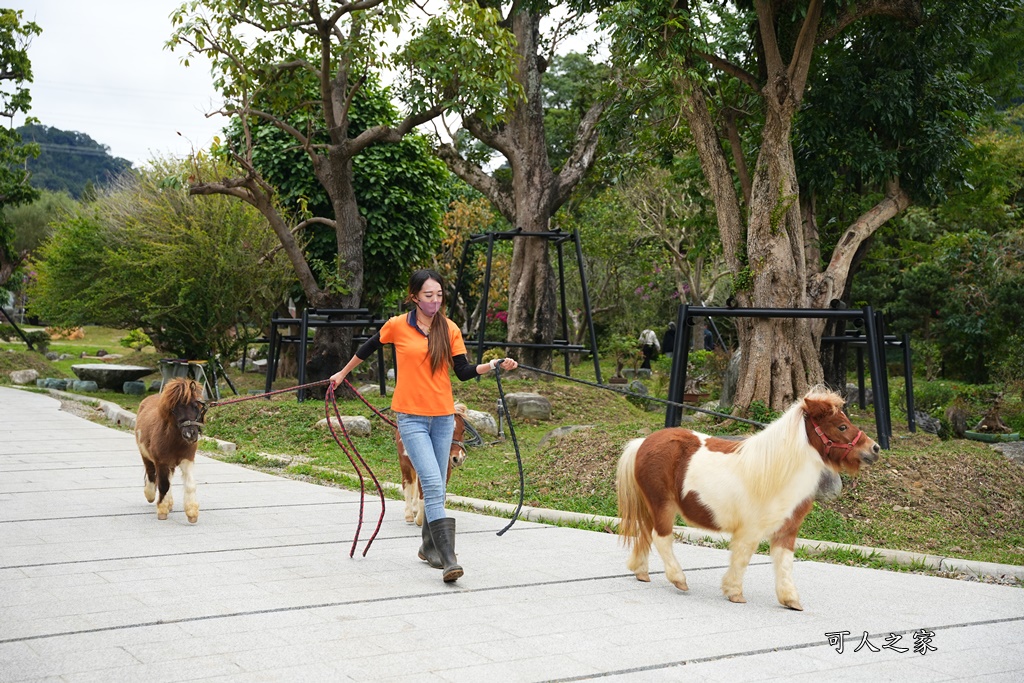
x,y
759,488
410,480
167,430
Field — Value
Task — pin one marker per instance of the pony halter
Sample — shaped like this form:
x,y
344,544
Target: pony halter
x,y
830,444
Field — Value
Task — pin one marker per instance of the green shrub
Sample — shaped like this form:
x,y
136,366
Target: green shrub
x,y
136,339
39,339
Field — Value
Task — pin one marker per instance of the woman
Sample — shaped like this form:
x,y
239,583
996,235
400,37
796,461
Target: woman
x,y
427,344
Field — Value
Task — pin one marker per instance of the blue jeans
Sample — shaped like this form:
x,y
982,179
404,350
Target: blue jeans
x,y
428,442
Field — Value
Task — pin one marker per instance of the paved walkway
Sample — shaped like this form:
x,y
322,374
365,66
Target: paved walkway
x,y
94,587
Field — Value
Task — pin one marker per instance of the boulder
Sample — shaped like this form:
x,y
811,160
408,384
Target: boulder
x,y
53,383
638,387
483,423
52,355
355,425
260,365
100,353
110,377
852,395
156,385
24,376
927,423
84,385
64,356
134,388
528,406
374,389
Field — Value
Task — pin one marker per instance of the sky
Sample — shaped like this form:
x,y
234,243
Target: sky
x,y
100,68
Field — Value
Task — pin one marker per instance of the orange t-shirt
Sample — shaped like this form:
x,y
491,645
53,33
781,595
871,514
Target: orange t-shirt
x,y
418,391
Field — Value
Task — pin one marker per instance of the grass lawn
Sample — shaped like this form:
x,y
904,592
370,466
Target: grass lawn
x,y
954,498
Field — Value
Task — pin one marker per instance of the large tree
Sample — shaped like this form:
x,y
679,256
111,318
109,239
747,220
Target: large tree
x,y
538,185
741,72
263,55
15,73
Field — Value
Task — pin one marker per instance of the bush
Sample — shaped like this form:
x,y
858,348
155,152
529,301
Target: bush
x,y
136,340
39,339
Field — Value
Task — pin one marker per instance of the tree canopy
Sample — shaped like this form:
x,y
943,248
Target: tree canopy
x,y
147,255
69,161
15,74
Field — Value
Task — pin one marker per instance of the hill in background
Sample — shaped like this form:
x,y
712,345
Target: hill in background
x,y
69,161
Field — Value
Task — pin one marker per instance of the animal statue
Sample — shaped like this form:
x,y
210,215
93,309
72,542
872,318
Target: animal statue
x,y
410,481
759,488
167,430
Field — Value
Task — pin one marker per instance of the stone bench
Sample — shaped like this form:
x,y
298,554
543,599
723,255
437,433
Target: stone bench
x,y
109,376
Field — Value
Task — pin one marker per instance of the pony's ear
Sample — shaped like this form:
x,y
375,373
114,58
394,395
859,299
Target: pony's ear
x,y
816,408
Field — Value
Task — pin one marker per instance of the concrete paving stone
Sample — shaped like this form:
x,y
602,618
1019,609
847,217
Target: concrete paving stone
x,y
269,574
196,668
69,664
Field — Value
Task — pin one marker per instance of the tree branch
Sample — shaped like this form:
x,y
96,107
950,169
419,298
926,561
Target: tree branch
x,y
582,156
909,11
736,145
483,183
728,67
393,133
824,286
495,139
766,27
800,63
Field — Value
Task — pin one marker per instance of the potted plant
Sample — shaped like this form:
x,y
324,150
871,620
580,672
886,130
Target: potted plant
x,y
625,350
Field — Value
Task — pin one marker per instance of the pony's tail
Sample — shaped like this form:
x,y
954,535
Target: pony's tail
x,y
637,523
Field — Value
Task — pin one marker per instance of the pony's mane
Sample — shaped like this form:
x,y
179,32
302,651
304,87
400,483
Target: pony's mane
x,y
773,454
179,391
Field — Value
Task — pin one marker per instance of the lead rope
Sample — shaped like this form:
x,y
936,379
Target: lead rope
x,y
329,402
515,444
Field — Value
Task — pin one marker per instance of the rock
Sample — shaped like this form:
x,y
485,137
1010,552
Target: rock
x,y
482,422
729,382
83,354
852,395
83,385
134,388
52,355
100,353
53,383
639,372
64,356
927,423
830,485
110,377
528,405
41,383
374,389
391,374
260,365
156,385
355,425
24,376
638,387
559,432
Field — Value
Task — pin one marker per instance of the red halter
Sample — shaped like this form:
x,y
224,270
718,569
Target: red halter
x,y
830,444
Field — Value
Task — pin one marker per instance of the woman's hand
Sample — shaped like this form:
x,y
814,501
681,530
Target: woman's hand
x,y
338,377
504,363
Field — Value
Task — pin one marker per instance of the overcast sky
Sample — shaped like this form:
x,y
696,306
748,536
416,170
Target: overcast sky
x,y
100,68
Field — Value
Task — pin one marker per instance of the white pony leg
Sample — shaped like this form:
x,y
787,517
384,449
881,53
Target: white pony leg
x,y
739,558
150,487
639,562
418,506
785,589
409,490
189,480
673,571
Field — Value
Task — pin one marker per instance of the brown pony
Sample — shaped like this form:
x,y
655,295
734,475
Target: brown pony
x,y
167,431
759,488
410,481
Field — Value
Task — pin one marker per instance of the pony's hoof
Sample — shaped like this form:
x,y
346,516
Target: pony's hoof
x,y
794,605
192,512
161,515
409,518
681,584
150,492
644,576
737,598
